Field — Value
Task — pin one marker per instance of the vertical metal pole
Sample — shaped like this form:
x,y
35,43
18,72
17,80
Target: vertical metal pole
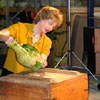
x,y
69,36
35,5
90,13
7,13
50,2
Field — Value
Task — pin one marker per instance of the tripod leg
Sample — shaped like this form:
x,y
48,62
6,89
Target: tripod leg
x,y
84,65
60,60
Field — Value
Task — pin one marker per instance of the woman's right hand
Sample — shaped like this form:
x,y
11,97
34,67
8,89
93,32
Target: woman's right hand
x,y
5,36
10,39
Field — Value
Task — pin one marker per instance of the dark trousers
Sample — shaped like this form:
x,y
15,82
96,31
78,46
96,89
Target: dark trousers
x,y
2,61
5,72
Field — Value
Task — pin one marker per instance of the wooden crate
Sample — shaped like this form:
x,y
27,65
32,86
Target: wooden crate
x,y
46,84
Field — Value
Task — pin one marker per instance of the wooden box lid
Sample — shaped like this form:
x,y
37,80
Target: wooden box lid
x,y
43,76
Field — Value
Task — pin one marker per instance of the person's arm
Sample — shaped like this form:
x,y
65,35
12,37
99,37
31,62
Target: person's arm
x,y
5,36
47,44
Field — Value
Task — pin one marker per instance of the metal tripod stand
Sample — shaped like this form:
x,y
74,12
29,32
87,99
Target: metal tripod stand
x,y
70,52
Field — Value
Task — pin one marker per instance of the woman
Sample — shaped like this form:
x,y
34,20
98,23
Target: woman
x,y
47,19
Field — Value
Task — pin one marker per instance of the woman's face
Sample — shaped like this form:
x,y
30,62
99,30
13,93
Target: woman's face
x,y
46,25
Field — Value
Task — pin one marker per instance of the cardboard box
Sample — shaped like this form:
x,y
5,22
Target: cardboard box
x,y
97,40
97,63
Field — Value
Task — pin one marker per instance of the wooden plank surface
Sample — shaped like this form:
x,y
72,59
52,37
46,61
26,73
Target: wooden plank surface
x,y
48,75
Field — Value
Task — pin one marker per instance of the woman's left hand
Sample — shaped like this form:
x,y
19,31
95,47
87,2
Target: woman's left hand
x,y
45,64
10,39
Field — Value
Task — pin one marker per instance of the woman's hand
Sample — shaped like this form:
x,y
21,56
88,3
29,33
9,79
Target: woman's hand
x,y
45,62
10,39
